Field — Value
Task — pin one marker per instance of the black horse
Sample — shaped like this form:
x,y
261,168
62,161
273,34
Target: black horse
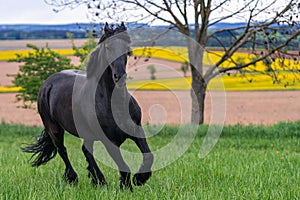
x,y
94,106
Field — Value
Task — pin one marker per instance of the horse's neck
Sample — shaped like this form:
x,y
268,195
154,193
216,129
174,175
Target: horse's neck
x,y
96,65
98,71
106,82
116,96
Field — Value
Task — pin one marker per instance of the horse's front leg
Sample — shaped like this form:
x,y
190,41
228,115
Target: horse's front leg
x,y
144,172
115,153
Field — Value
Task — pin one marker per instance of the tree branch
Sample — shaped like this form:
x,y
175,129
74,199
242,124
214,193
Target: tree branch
x,y
220,5
231,15
178,23
241,66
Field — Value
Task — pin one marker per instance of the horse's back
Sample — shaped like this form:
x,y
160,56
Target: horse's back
x,y
57,96
55,99
60,85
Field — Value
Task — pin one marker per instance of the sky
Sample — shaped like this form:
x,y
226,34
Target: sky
x,y
38,12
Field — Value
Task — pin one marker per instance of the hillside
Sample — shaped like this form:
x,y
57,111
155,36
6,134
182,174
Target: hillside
x,y
79,30
141,34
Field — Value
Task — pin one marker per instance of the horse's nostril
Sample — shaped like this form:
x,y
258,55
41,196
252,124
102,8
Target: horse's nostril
x,y
116,77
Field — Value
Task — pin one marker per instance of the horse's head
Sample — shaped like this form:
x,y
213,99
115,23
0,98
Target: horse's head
x,y
116,47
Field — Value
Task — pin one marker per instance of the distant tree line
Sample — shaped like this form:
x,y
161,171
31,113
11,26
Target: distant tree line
x,y
149,36
44,34
159,37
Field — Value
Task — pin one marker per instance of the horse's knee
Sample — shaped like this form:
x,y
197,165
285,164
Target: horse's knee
x,y
149,158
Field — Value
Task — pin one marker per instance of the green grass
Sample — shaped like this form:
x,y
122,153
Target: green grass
x,y
248,162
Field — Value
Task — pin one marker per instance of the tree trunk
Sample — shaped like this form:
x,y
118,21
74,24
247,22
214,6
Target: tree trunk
x,y
198,93
199,85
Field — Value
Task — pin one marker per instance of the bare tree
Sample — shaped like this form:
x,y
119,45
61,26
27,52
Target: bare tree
x,y
264,22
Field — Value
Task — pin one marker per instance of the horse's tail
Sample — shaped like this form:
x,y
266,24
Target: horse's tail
x,y
43,150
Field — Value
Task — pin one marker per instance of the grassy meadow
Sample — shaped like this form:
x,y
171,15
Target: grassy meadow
x,y
248,162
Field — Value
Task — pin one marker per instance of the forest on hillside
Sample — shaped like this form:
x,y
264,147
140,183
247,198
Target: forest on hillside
x,y
142,35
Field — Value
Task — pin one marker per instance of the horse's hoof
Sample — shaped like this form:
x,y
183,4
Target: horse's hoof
x,y
141,178
125,182
101,183
71,178
97,180
124,186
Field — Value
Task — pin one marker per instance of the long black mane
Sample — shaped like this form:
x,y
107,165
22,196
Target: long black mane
x,y
110,31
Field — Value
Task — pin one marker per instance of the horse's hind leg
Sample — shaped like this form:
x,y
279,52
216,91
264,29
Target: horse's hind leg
x,y
57,135
94,171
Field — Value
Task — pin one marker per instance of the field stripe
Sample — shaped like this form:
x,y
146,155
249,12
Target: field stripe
x,y
11,54
10,89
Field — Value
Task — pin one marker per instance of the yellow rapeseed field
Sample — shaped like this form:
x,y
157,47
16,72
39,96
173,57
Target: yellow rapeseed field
x,y
10,54
258,82
248,81
9,89
180,54
177,54
255,81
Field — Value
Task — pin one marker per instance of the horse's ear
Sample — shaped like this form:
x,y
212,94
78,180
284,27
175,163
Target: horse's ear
x,y
123,25
106,28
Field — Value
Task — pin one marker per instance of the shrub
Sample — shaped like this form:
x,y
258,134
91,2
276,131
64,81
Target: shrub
x,y
35,68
